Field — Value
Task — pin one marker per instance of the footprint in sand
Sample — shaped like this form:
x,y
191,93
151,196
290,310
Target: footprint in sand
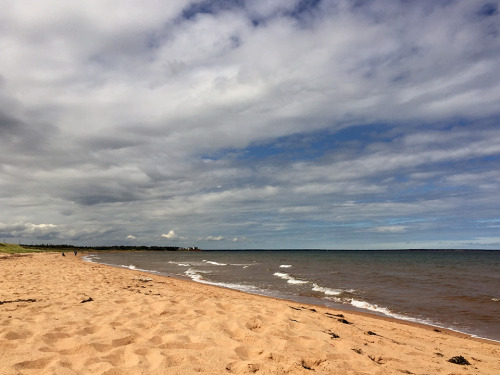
x,y
36,364
254,324
52,337
19,334
242,367
116,357
127,340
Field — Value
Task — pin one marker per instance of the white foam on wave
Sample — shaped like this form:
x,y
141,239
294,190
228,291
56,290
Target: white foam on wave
x,y
495,299
286,266
368,306
289,279
327,291
90,258
384,310
196,275
215,263
179,264
244,265
134,268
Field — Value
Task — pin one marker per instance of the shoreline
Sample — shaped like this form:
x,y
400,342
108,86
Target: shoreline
x,y
67,316
334,306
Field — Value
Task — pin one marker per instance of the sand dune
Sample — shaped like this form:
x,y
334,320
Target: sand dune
x,y
60,315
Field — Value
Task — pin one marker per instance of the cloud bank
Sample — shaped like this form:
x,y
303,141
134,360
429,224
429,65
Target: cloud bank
x,y
330,124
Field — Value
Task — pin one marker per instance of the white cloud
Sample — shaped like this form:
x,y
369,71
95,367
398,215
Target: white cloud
x,y
240,239
30,230
44,232
131,237
171,235
390,229
215,238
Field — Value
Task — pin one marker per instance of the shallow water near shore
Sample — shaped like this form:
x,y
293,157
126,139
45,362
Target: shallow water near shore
x,y
458,290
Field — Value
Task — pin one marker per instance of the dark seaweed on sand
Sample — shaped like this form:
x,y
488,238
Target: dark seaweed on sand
x,y
459,360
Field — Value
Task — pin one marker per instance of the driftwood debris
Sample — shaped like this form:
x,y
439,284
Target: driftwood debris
x,y
19,300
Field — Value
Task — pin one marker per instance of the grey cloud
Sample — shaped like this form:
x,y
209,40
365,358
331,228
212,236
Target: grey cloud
x,y
111,115
113,141
10,128
25,230
91,195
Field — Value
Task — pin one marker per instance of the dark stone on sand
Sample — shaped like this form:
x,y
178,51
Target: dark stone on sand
x,y
344,321
437,330
90,299
459,360
304,365
336,315
333,335
371,333
378,360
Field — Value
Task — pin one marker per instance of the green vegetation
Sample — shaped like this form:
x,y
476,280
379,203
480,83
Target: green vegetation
x,y
14,249
49,247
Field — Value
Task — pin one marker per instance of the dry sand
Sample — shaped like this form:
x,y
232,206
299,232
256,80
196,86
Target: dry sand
x,y
136,323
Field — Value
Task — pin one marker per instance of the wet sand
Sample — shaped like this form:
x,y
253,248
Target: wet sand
x,y
60,315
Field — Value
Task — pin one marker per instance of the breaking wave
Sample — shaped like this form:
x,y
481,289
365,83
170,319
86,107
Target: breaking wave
x,y
214,263
289,279
197,275
327,291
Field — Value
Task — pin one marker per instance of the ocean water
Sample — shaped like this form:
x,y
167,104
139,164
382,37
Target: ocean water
x,y
458,290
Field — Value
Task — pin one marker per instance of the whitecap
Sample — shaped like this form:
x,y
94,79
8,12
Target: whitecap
x,y
286,266
215,263
384,310
327,291
89,258
133,268
195,275
289,279
368,306
179,264
244,265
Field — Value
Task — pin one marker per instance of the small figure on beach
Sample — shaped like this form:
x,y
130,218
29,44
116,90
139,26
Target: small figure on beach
x,y
63,254
76,252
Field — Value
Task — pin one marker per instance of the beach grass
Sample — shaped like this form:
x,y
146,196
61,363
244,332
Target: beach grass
x,y
10,248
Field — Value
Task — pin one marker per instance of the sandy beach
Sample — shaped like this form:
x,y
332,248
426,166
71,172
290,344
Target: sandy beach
x,y
60,315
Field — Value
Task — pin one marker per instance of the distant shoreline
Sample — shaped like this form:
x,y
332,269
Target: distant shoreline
x,y
107,248
15,248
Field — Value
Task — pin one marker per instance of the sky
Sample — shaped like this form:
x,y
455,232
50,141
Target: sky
x,y
234,124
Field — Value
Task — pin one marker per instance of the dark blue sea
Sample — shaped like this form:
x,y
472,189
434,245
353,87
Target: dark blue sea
x,y
458,290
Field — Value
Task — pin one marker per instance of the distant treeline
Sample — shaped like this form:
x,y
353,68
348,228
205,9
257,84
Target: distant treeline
x,y
107,248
